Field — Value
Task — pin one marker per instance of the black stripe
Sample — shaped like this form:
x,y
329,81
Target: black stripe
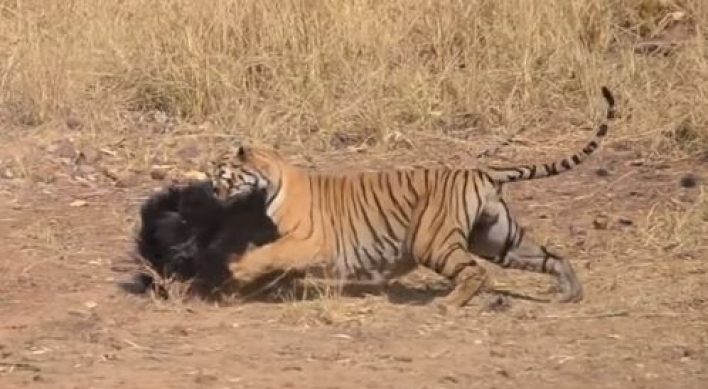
x,y
452,233
385,188
532,171
520,233
411,187
447,179
551,169
465,204
311,211
401,216
590,147
399,177
457,204
375,237
602,131
417,224
295,227
383,215
278,188
478,182
439,265
349,208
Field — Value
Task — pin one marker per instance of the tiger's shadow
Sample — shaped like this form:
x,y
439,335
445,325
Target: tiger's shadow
x,y
292,288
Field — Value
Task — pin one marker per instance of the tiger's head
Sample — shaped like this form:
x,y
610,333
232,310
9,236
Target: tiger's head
x,y
246,170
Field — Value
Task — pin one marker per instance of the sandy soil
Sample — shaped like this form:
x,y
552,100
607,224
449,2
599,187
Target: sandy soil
x,y
635,236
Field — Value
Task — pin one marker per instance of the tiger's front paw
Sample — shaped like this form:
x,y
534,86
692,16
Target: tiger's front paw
x,y
245,275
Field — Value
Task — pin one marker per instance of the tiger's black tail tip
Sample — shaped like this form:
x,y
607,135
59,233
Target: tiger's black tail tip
x,y
608,96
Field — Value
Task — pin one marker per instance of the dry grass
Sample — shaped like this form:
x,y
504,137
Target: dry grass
x,y
678,227
326,74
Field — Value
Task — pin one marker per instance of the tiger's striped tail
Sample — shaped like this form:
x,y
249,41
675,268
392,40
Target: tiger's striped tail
x,y
502,175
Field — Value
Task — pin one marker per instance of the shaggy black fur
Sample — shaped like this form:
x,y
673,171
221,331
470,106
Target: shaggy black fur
x,y
188,234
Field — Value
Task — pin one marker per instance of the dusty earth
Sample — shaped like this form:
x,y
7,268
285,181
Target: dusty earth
x,y
636,237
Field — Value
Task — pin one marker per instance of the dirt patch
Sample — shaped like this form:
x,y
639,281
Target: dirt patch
x,y
635,235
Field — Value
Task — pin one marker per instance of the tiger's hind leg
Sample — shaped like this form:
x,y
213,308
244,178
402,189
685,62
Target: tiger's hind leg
x,y
462,269
498,238
529,255
437,241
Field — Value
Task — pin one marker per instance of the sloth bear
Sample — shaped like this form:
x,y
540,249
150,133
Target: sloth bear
x,y
189,235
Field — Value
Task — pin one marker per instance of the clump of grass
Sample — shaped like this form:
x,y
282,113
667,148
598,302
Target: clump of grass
x,y
669,227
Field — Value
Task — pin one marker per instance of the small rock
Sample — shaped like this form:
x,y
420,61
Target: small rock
x,y
602,172
193,175
499,304
90,304
78,203
689,180
160,117
450,379
504,373
8,174
74,123
600,222
402,358
624,222
158,173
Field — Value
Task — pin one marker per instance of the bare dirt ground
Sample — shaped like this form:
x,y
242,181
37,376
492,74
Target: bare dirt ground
x,y
636,237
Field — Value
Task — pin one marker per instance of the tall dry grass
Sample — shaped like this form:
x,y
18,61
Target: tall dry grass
x,y
347,71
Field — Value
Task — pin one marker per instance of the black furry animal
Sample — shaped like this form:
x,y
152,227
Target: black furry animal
x,y
188,234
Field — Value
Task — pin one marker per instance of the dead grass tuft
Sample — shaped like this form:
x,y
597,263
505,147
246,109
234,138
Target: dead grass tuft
x,y
678,227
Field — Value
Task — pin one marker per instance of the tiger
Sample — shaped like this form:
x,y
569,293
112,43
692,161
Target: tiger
x,y
379,225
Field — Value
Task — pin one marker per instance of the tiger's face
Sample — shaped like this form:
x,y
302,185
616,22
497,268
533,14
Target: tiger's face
x,y
244,171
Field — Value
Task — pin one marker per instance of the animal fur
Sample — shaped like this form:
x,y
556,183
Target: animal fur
x,y
188,235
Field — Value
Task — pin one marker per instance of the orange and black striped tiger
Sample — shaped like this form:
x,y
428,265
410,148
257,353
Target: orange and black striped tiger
x,y
380,225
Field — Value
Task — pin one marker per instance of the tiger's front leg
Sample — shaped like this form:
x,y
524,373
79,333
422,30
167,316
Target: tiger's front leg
x,y
281,255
